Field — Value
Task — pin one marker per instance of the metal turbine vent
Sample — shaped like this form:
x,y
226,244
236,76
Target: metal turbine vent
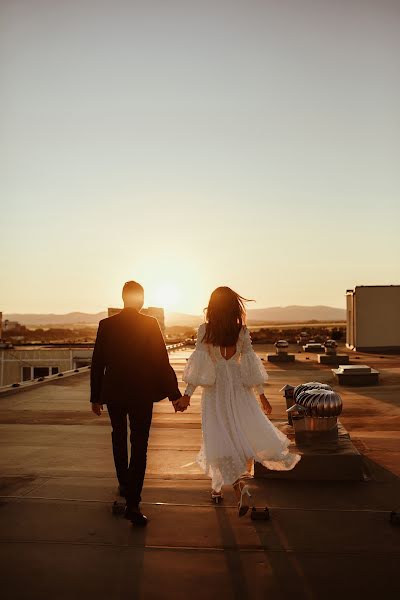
x,y
320,402
311,385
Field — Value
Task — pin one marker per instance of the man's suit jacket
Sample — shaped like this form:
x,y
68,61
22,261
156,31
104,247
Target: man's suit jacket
x,y
130,361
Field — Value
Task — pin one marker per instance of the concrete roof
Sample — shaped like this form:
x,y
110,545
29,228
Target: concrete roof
x,y
324,540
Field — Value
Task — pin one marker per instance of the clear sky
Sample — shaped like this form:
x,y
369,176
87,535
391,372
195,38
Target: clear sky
x,y
190,144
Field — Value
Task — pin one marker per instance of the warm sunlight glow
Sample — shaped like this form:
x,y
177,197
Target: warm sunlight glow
x,y
166,296
175,280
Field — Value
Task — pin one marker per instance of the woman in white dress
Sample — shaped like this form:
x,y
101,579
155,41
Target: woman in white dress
x,y
235,428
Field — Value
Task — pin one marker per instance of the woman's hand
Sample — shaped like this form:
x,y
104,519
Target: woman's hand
x,y
182,404
267,408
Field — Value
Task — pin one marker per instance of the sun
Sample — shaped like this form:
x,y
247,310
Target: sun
x,y
166,296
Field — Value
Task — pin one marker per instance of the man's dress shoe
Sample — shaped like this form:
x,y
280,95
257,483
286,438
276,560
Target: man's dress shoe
x,y
136,517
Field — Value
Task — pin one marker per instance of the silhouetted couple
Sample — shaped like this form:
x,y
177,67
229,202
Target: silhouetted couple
x,y
130,371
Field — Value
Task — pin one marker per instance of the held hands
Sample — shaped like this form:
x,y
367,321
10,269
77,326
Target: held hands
x,y
267,408
181,404
97,408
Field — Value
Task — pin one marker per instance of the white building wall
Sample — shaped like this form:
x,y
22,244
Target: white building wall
x,y
13,361
376,317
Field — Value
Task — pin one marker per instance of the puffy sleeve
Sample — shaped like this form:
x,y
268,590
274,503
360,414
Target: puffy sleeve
x,y
199,369
252,370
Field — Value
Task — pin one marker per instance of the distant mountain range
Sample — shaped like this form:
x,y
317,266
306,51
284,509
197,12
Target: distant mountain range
x,y
173,318
277,314
72,318
296,314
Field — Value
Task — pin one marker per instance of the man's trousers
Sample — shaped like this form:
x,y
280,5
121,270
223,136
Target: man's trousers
x,y
130,475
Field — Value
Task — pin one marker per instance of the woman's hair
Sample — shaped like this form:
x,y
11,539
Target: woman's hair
x,y
225,316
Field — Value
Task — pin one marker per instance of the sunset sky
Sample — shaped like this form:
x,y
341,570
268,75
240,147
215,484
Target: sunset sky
x,y
188,145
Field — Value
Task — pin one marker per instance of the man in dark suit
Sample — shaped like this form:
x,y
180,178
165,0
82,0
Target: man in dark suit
x,y
130,371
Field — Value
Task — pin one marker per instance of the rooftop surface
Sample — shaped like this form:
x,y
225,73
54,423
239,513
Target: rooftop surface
x,y
325,539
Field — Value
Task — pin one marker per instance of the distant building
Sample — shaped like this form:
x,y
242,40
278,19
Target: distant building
x,y
373,318
24,364
152,311
11,325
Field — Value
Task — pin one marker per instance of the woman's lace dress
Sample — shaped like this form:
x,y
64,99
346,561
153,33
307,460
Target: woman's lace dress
x,y
235,429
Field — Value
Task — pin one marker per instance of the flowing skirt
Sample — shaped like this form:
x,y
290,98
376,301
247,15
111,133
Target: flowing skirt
x,y
235,430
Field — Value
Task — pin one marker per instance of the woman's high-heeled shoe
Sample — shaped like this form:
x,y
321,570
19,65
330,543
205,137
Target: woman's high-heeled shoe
x,y
244,490
216,497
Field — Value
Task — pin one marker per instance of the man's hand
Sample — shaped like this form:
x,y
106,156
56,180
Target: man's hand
x,y
267,408
97,408
177,406
181,404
